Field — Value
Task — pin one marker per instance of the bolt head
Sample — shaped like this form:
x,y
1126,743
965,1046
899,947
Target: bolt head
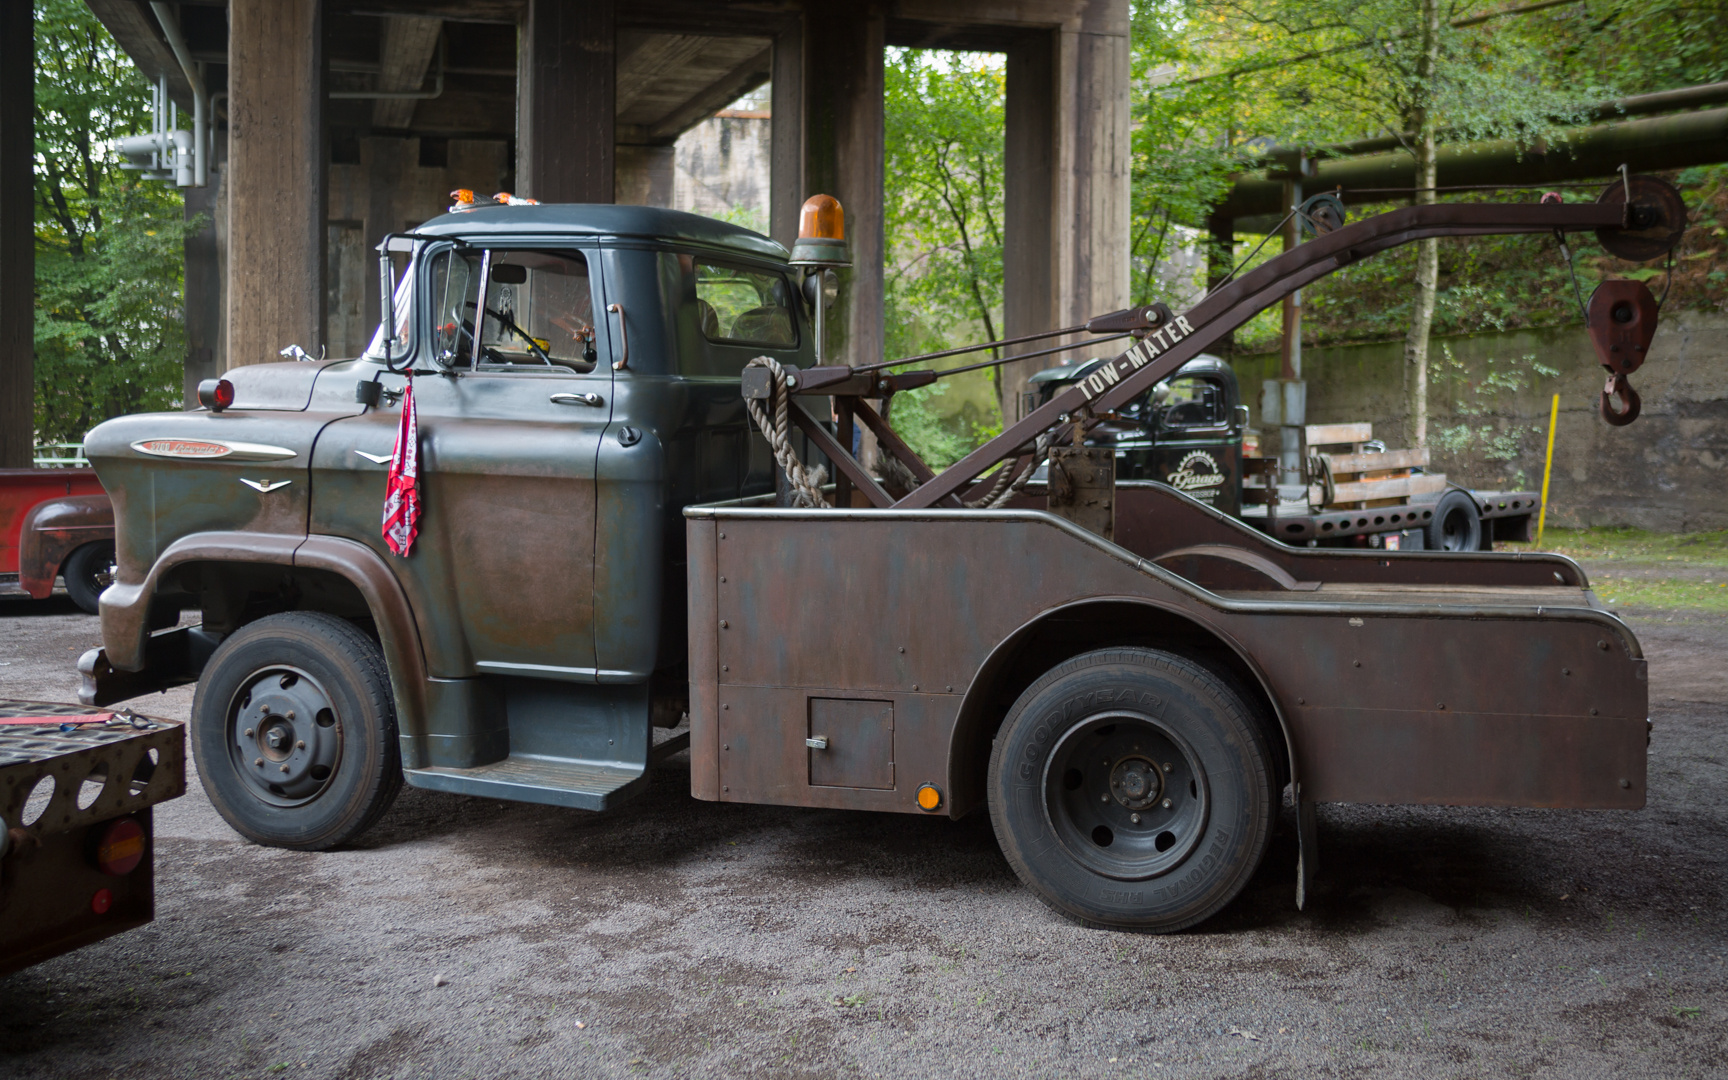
x,y
1167,804
258,762
301,745
1135,818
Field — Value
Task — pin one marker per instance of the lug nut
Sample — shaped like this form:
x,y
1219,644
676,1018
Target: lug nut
x,y
290,714
284,768
1104,797
259,762
301,745
1167,804
248,732
1135,818
1169,767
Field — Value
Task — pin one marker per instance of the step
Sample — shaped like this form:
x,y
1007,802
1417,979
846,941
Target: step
x,y
583,785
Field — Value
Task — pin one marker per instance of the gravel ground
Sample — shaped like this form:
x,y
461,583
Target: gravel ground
x,y
469,938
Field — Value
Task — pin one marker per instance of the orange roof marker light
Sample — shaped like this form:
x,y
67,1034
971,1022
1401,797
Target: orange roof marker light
x,y
821,234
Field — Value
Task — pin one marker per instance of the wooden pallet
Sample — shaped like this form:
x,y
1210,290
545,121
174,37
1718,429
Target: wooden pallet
x,y
1363,480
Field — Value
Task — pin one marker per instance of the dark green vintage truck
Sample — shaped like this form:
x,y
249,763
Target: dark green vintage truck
x,y
601,550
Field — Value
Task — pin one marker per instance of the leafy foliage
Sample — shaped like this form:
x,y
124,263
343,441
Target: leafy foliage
x,y
943,212
109,332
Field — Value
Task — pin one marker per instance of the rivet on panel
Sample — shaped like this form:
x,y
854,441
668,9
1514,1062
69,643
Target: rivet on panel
x,y
725,746
1592,712
950,689
1625,783
724,667
1603,645
723,708
1358,663
724,624
1565,671
902,648
722,536
914,686
722,579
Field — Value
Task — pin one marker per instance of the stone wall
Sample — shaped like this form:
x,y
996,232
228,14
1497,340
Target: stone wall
x,y
1667,471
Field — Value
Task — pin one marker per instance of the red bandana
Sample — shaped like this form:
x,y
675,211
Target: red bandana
x,y
401,493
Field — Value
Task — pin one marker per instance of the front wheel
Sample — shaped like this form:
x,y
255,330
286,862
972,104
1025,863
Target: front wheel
x,y
1132,788
294,729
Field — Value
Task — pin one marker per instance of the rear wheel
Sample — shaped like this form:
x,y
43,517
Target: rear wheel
x,y
1132,788
1456,525
88,571
295,731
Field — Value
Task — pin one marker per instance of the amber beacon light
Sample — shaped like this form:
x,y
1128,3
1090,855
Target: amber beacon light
x,y
821,234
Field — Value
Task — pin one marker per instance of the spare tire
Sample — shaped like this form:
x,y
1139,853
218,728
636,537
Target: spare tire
x,y
1456,526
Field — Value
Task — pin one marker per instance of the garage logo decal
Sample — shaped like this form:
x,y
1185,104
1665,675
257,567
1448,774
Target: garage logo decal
x,y
1198,472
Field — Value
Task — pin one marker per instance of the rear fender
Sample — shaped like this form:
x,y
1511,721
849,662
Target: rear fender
x,y
1111,620
54,529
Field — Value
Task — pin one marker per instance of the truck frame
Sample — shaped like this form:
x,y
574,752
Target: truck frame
x,y
1126,678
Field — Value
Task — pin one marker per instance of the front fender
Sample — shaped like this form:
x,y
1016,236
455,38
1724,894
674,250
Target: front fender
x,y
54,529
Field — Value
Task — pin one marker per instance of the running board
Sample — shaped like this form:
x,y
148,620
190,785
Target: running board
x,y
532,778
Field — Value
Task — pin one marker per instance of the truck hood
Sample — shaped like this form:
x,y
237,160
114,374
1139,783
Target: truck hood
x,y
284,386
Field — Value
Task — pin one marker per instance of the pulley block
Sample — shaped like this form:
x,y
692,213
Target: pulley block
x,y
1621,318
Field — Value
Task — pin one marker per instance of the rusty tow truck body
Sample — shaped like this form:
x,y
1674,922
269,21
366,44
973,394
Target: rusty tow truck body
x,y
1124,677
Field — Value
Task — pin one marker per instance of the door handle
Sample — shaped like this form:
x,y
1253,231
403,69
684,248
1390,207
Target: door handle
x,y
376,459
577,399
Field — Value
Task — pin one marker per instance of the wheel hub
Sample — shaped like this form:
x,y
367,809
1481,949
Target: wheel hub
x,y
1136,783
1126,795
284,736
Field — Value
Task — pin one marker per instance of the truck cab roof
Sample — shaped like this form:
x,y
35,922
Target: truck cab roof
x,y
601,221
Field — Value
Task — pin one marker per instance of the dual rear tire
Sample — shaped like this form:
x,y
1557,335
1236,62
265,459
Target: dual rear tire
x,y
1133,788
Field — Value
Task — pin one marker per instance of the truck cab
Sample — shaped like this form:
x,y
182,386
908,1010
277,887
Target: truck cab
x,y
575,374
1185,432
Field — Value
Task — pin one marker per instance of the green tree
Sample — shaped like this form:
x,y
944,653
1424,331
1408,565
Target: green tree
x,y
1425,72
943,215
110,336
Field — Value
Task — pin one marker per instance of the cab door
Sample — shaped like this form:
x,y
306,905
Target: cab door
x,y
1198,444
501,576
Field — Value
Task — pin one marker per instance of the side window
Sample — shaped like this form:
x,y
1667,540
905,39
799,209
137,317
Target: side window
x,y
1189,401
539,309
744,307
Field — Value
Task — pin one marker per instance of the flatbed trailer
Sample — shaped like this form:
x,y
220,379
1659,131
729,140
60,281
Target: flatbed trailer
x,y
77,858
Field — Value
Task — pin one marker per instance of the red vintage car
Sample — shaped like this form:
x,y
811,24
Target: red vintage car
x,y
56,523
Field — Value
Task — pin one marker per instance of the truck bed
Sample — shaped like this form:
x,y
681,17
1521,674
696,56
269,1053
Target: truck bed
x,y
1401,677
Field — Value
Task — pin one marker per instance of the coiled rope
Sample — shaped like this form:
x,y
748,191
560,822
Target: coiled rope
x,y
806,481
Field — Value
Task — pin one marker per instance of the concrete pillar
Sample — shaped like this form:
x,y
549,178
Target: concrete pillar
x,y
842,151
275,178
566,101
1067,185
786,154
17,236
645,174
1029,184
206,280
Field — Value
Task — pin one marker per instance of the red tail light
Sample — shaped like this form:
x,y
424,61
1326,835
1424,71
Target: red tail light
x,y
215,394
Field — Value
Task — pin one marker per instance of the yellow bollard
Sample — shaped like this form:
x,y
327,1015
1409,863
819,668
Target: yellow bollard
x,y
1547,471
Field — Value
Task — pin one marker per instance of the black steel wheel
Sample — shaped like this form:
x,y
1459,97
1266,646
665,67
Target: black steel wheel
x,y
88,571
1456,525
1132,788
294,729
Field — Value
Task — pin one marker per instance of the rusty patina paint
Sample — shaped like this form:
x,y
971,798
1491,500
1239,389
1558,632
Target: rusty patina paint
x,y
1460,680
22,489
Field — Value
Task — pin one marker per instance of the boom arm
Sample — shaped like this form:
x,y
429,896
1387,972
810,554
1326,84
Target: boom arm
x,y
1180,338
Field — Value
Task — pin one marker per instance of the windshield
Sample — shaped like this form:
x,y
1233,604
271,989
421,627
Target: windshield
x,y
538,308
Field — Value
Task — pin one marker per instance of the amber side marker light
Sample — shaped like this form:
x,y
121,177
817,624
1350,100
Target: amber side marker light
x,y
215,394
930,797
121,847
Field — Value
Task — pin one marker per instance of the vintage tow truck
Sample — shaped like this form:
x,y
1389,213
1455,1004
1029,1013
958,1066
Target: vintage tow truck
x,y
1125,677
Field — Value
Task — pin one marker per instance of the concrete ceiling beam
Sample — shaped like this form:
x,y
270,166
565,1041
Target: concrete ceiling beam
x,y
404,55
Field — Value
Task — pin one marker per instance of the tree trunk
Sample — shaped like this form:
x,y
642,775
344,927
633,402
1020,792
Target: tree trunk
x,y
1427,251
